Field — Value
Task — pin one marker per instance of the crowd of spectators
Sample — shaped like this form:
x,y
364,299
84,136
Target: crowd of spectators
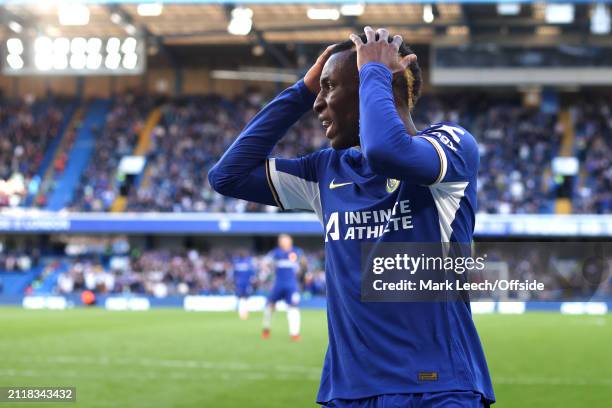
x,y
193,134
28,126
18,261
593,118
114,265
162,273
178,272
100,182
517,145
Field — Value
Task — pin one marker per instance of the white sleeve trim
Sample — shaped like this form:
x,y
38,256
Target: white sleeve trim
x,y
276,184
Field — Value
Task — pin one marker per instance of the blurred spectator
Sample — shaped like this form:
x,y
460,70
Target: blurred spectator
x,y
593,118
99,183
27,128
162,273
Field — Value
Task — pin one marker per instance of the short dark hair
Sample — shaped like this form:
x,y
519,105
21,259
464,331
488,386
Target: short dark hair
x,y
407,87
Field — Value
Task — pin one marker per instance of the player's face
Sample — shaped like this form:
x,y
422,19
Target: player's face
x,y
337,103
285,242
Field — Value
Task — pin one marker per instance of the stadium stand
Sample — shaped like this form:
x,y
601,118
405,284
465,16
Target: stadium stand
x,y
593,120
192,135
29,132
98,185
517,145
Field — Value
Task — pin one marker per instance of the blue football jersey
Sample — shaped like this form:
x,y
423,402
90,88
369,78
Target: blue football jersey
x,y
391,345
244,269
393,188
286,266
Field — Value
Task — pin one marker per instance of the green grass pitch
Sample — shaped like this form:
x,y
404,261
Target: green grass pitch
x,y
173,358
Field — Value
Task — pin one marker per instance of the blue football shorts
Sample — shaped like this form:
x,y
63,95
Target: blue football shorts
x,y
289,294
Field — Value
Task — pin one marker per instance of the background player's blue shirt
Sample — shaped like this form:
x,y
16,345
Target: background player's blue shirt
x,y
244,269
286,266
428,182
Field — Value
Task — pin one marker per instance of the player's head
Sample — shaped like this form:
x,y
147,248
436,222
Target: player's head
x,y
337,103
285,242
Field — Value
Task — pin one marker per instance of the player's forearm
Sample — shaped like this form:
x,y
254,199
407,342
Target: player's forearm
x,y
234,171
389,149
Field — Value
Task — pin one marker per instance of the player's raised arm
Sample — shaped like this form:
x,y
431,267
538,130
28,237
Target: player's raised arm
x,y
243,171
389,142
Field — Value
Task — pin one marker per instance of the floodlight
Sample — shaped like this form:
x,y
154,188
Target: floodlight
x,y
508,9
14,61
352,9
15,27
129,45
600,20
428,15
14,46
94,45
78,61
323,13
112,61
78,45
94,61
559,13
112,45
241,22
73,14
130,60
149,9
59,61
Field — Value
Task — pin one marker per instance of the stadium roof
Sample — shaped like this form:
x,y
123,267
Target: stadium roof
x,y
207,21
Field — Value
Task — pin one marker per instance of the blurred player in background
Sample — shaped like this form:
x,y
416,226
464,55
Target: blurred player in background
x,y
286,260
244,271
382,181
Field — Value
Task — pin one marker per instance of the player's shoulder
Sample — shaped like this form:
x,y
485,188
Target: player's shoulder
x,y
322,155
453,136
328,153
451,130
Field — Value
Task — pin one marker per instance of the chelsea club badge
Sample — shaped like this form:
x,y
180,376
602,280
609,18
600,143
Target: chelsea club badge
x,y
392,185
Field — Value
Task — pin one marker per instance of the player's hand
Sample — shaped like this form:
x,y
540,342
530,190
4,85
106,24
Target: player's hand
x,y
313,76
381,50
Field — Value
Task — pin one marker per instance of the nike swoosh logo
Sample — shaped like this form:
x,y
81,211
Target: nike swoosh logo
x,y
332,185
